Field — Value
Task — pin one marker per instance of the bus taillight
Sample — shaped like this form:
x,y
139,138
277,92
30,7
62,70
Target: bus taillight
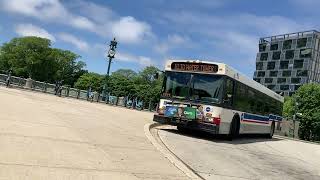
x,y
216,120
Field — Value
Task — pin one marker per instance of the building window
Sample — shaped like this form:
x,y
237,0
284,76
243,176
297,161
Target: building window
x,y
289,54
296,87
298,64
303,73
271,86
295,80
271,65
286,73
274,47
284,64
268,80
282,80
262,47
261,74
259,65
263,56
276,55
305,53
302,42
284,87
287,44
273,73
257,79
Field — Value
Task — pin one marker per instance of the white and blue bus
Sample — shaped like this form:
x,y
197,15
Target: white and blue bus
x,y
213,97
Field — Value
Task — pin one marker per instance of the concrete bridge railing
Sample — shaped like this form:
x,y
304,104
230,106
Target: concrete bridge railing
x,y
29,84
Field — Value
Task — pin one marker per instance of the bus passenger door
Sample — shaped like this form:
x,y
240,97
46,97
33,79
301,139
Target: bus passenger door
x,y
227,114
228,96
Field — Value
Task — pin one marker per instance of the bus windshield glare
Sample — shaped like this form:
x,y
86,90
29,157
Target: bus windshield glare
x,y
194,87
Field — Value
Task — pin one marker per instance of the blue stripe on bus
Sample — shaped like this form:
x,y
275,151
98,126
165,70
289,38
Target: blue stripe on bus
x,y
255,117
265,119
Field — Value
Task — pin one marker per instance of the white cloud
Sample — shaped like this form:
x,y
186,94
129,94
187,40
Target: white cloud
x,y
97,19
174,41
142,60
130,30
32,30
80,44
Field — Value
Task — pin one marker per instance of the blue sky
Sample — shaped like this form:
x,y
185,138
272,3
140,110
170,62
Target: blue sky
x,y
151,31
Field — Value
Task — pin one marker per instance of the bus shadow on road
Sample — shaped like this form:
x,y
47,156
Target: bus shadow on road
x,y
242,139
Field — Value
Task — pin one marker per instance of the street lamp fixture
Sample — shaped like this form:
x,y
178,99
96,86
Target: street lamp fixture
x,y
111,52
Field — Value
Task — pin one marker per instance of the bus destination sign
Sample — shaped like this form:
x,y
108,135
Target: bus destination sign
x,y
194,67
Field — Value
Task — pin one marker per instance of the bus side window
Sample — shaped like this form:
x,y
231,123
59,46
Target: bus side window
x,y
252,100
229,92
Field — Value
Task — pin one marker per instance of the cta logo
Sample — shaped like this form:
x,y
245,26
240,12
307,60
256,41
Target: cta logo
x,y
208,109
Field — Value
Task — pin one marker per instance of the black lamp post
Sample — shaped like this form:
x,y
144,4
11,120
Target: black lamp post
x,y
111,55
111,52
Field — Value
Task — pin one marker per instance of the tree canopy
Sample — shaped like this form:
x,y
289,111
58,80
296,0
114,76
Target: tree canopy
x,y
34,57
307,102
142,85
92,80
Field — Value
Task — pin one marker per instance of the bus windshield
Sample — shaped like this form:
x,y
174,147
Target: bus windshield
x,y
194,87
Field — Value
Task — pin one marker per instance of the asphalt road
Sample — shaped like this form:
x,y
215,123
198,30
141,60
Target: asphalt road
x,y
244,158
44,137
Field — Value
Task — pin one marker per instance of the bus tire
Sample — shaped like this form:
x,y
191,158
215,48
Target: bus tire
x,y
271,130
181,129
234,128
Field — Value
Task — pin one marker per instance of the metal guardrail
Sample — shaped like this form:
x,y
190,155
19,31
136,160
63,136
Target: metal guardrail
x,y
17,82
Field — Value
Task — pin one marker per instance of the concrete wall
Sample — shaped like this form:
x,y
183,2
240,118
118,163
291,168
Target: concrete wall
x,y
288,128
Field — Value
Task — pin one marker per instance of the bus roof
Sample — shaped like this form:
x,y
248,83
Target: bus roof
x,y
224,69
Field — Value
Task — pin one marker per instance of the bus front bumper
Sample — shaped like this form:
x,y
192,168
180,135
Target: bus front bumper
x,y
202,126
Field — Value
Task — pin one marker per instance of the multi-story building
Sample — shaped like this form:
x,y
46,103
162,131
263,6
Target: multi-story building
x,y
285,62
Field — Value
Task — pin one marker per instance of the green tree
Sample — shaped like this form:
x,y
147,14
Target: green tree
x,y
27,56
147,87
142,85
67,66
92,80
307,102
288,107
33,57
128,73
121,82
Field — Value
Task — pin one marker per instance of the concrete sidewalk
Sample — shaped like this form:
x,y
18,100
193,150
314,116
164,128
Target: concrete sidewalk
x,y
46,137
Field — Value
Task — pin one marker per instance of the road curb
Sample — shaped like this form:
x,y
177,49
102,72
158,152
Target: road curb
x,y
168,154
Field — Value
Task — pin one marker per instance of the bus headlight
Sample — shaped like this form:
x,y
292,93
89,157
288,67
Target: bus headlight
x,y
161,110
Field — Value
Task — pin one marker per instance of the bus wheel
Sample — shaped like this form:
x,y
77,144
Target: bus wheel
x,y
234,128
182,129
271,130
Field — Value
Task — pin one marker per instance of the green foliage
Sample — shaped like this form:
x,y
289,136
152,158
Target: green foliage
x,y
128,73
307,101
121,85
288,107
92,80
142,85
33,57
